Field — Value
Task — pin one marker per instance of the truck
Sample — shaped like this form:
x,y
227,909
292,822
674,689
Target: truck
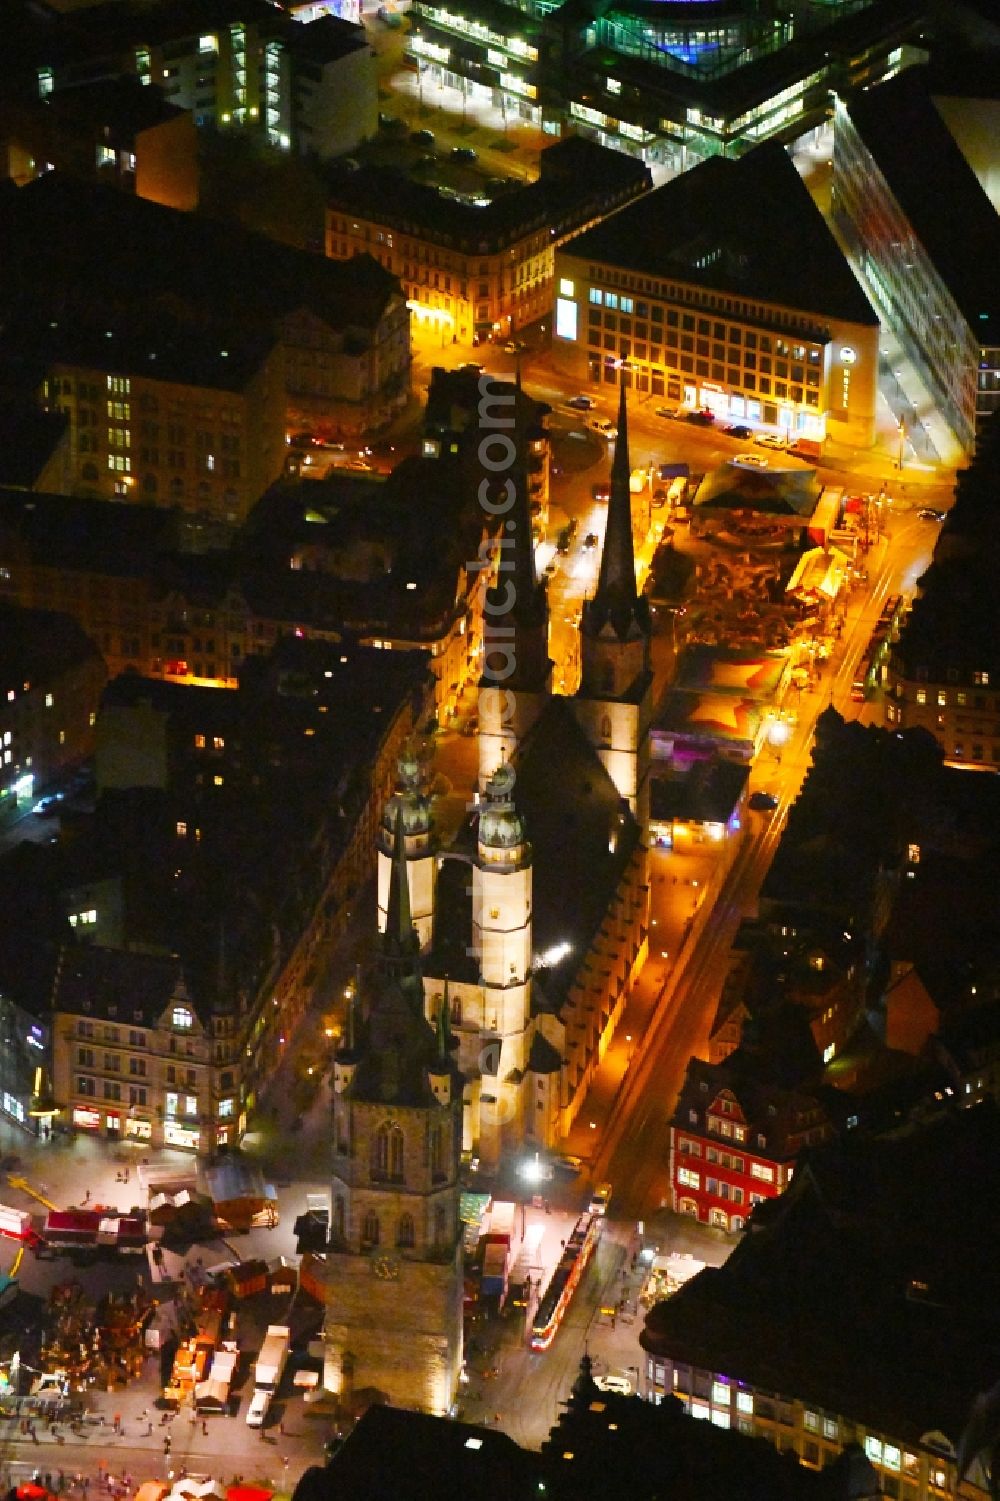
x,y
272,1358
501,1219
90,1230
17,1224
496,1269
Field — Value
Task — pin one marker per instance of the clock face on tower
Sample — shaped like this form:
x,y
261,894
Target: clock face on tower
x,y
386,1268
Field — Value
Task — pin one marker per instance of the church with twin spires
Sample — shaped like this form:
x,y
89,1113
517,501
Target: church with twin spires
x,y
532,923
502,966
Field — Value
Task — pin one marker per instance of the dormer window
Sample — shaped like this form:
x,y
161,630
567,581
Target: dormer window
x,y
182,1018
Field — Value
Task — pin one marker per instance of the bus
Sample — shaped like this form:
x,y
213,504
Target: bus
x,y
563,1284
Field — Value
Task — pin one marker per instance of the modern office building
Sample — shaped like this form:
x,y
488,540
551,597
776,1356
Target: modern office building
x,y
671,83
486,269
724,289
930,274
234,64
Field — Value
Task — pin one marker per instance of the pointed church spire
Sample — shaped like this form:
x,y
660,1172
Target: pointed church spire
x,y
616,581
399,922
444,1026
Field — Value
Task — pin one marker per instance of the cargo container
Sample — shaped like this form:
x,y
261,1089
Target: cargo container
x,y
272,1357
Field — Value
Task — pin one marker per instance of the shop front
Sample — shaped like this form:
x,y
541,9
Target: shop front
x,y
176,1134
86,1118
138,1130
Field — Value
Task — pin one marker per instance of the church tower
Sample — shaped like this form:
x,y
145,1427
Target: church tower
x,y
614,702
517,674
409,800
501,937
394,1320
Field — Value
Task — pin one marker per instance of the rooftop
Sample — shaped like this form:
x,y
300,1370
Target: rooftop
x,y
746,227
39,645
903,130
704,792
577,180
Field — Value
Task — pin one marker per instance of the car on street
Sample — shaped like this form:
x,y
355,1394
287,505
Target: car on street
x,y
770,440
751,461
390,122
619,1385
470,727
601,492
704,418
257,1412
350,164
604,426
738,430
581,403
591,540
464,154
48,806
567,1163
514,346
927,513
762,802
422,137
601,1199
670,412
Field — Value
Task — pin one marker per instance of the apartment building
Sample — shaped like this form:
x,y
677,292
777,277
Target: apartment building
x,y
233,833
833,1322
51,678
725,290
479,270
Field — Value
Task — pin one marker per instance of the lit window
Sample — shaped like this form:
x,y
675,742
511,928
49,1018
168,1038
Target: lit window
x,y
744,1402
890,1457
171,1103
981,679
218,743
218,780
687,1178
565,287
226,1107
182,829
49,700
758,1170
182,1018
720,1393
700,1410
873,1448
191,1104
942,698
921,695
208,43
199,742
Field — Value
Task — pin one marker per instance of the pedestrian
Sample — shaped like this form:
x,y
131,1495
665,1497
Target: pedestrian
x,y
204,1427
149,1428
281,1428
86,1197
118,1422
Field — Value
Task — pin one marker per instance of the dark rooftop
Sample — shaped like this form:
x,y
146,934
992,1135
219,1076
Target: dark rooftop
x,y
578,180
28,439
704,792
747,227
39,645
904,132
900,1231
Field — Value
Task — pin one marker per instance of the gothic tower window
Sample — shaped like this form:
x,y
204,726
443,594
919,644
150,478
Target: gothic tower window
x,y
405,1233
387,1154
606,727
370,1229
339,1216
456,1009
437,1153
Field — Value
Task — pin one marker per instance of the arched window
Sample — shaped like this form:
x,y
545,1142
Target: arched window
x,y
405,1232
606,727
437,1152
369,1229
339,1216
387,1154
456,1010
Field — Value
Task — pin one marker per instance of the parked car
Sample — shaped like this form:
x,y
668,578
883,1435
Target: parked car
x,y
464,154
390,122
567,1163
668,412
702,418
927,513
48,806
603,426
762,802
751,461
770,440
514,346
581,403
601,491
470,727
350,164
738,430
422,137
591,540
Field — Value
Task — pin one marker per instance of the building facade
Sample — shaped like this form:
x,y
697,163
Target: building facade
x,y
929,280
733,1143
395,1319
478,271
673,88
744,323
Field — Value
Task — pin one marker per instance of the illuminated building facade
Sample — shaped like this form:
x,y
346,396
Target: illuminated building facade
x,y
478,269
201,847
734,1140
306,85
929,276
724,289
671,82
